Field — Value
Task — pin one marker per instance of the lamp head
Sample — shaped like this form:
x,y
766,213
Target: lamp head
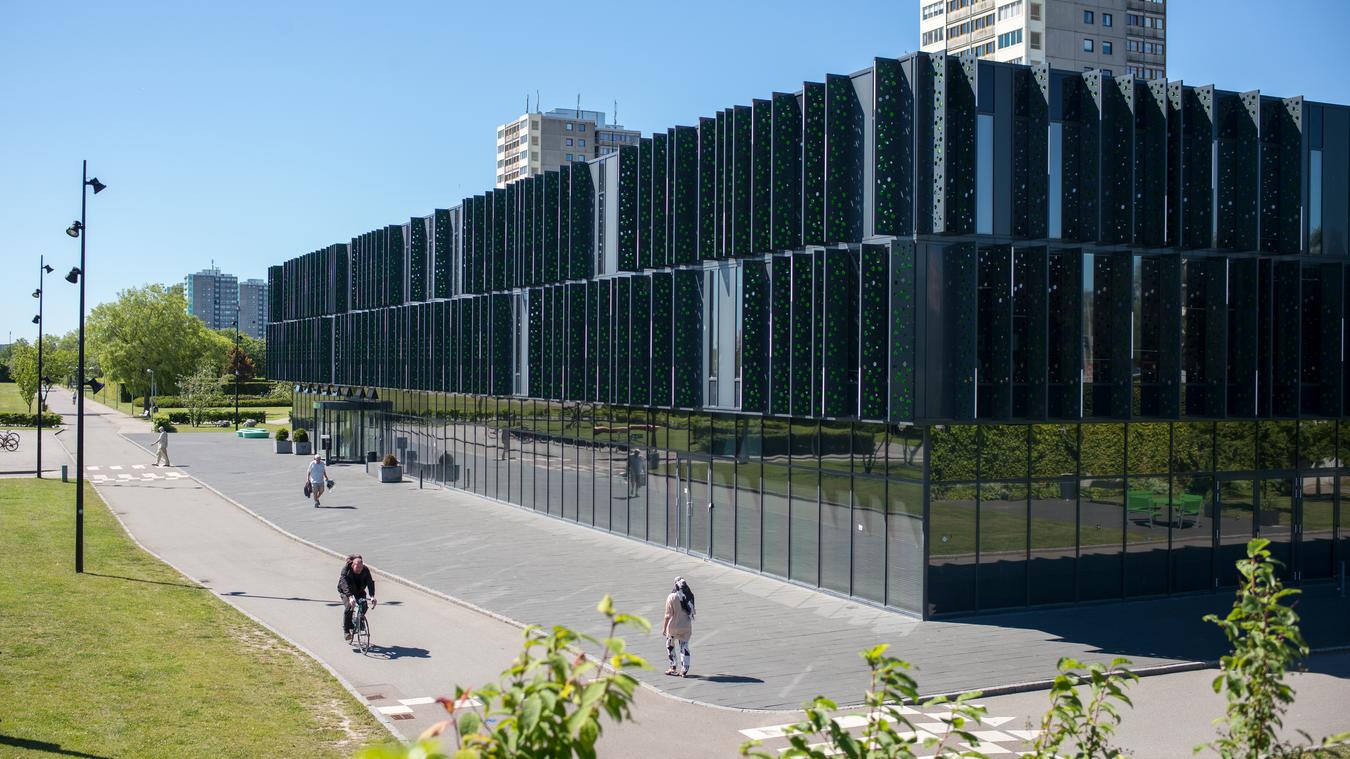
x,y
74,229
37,293
37,319
47,268
97,185
94,385
74,275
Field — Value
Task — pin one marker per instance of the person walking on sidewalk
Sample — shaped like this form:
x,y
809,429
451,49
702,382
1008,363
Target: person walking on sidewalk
x,y
678,626
162,447
355,581
317,478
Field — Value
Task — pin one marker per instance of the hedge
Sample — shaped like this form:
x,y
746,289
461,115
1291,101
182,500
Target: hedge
x,y
247,387
177,401
21,419
213,415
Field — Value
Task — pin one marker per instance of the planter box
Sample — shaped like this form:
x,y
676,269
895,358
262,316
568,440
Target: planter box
x,y
281,446
391,474
303,449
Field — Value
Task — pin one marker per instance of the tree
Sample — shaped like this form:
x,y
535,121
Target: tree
x,y
57,363
256,350
149,328
238,364
200,391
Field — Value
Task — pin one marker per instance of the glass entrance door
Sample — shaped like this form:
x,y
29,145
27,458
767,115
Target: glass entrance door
x,y
1315,527
1276,509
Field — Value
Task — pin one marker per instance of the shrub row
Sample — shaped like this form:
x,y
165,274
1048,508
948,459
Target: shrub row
x,y
178,401
247,387
21,419
209,415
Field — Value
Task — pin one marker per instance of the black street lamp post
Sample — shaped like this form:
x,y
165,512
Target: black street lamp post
x,y
237,359
43,270
79,274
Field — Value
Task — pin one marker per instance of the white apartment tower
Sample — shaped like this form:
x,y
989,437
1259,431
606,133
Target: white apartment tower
x,y
538,142
1119,37
253,308
213,297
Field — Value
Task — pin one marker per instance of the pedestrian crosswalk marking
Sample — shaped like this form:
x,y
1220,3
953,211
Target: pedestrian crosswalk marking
x,y
417,701
123,476
115,466
92,468
925,727
138,466
391,711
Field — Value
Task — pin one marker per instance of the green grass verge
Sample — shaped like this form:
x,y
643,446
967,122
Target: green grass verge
x,y
131,659
10,402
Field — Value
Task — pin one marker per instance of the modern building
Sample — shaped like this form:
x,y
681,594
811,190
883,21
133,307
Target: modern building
x,y
945,334
253,308
1118,37
539,142
213,297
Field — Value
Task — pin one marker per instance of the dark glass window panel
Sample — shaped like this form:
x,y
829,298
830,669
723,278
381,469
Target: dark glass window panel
x,y
805,530
1317,536
1237,520
1149,444
1192,510
1277,443
904,452
994,340
836,446
775,494
952,555
1275,519
955,450
904,545
1101,520
1103,449
1316,443
1148,515
749,447
1003,452
1235,446
836,526
1003,545
1051,570
1064,334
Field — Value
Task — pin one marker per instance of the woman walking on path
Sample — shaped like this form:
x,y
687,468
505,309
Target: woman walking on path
x,y
678,626
318,477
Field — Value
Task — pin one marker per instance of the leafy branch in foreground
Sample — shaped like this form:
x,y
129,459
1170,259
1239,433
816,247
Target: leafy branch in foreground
x,y
547,705
888,733
1266,642
1085,726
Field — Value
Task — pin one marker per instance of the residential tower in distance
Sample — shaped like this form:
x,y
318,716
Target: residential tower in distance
x,y
215,298
1119,37
538,142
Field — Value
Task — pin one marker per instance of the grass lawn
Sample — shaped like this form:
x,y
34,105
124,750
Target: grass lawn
x,y
274,414
130,659
10,402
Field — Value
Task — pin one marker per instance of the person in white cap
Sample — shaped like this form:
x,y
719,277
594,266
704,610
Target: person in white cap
x,y
318,477
678,626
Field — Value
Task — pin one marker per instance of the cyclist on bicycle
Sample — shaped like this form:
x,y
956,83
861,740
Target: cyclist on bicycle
x,y
355,581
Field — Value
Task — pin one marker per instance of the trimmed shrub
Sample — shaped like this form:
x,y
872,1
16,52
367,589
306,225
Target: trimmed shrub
x,y
300,436
162,420
253,387
21,419
177,401
214,415
390,459
283,434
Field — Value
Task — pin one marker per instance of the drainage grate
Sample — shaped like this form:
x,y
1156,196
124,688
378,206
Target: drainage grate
x,y
401,716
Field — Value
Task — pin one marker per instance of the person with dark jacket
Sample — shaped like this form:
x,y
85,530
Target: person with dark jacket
x,y
355,581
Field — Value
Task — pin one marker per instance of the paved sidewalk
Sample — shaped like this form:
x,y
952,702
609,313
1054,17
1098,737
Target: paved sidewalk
x,y
22,462
759,643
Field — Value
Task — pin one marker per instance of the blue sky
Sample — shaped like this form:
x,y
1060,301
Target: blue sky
x,y
251,132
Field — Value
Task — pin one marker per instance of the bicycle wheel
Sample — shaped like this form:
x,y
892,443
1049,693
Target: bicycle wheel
x,y
11,441
362,637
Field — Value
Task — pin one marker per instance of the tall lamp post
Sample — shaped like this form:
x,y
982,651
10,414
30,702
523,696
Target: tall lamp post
x,y
151,407
236,362
79,274
43,270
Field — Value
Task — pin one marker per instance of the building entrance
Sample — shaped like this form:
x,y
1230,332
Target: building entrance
x,y
353,428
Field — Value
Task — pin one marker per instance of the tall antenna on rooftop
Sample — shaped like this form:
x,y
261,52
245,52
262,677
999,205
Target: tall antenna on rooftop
x,y
578,105
527,102
536,100
616,112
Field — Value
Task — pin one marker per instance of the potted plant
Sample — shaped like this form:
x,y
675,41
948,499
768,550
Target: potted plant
x,y
390,471
301,439
283,441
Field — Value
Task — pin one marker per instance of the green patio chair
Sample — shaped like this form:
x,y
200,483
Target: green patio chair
x,y
1140,503
1188,506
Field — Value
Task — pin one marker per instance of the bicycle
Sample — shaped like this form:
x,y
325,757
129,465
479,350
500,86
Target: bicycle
x,y
10,440
360,626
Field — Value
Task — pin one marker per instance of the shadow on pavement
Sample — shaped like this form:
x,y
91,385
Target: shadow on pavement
x,y
50,748
154,582
398,652
324,601
335,507
725,678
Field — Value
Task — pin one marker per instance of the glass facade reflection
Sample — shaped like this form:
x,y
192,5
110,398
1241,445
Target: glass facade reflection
x,y
922,336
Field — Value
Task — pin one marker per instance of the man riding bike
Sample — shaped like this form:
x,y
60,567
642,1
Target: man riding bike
x,y
355,581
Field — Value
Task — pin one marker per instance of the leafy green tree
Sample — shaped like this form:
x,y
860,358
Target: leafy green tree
x,y
888,734
1084,727
1266,642
547,705
238,364
22,363
149,328
200,391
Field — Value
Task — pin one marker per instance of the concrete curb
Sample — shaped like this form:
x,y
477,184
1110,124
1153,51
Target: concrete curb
x,y
381,718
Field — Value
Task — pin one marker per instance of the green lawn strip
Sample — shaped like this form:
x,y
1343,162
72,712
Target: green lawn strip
x,y
131,659
10,402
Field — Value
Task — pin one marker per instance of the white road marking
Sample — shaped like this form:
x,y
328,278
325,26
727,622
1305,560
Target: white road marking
x,y
392,710
123,476
138,466
149,476
99,477
115,466
417,701
92,468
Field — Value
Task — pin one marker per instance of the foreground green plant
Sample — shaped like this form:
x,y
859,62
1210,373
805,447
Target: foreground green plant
x,y
1266,642
1084,727
547,705
888,733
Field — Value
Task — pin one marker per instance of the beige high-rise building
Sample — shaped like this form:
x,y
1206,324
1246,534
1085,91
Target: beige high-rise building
x,y
538,142
1120,37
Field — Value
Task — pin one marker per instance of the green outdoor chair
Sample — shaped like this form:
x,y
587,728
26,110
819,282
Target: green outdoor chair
x,y
1140,503
1188,506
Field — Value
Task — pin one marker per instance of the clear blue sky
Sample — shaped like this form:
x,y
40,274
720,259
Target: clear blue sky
x,y
251,132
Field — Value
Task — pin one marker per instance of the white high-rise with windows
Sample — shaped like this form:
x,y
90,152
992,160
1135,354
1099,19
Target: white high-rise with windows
x,y
253,308
538,142
212,296
1120,37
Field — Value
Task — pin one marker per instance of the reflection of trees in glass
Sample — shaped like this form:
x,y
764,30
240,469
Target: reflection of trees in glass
x,y
954,452
1103,449
1235,446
